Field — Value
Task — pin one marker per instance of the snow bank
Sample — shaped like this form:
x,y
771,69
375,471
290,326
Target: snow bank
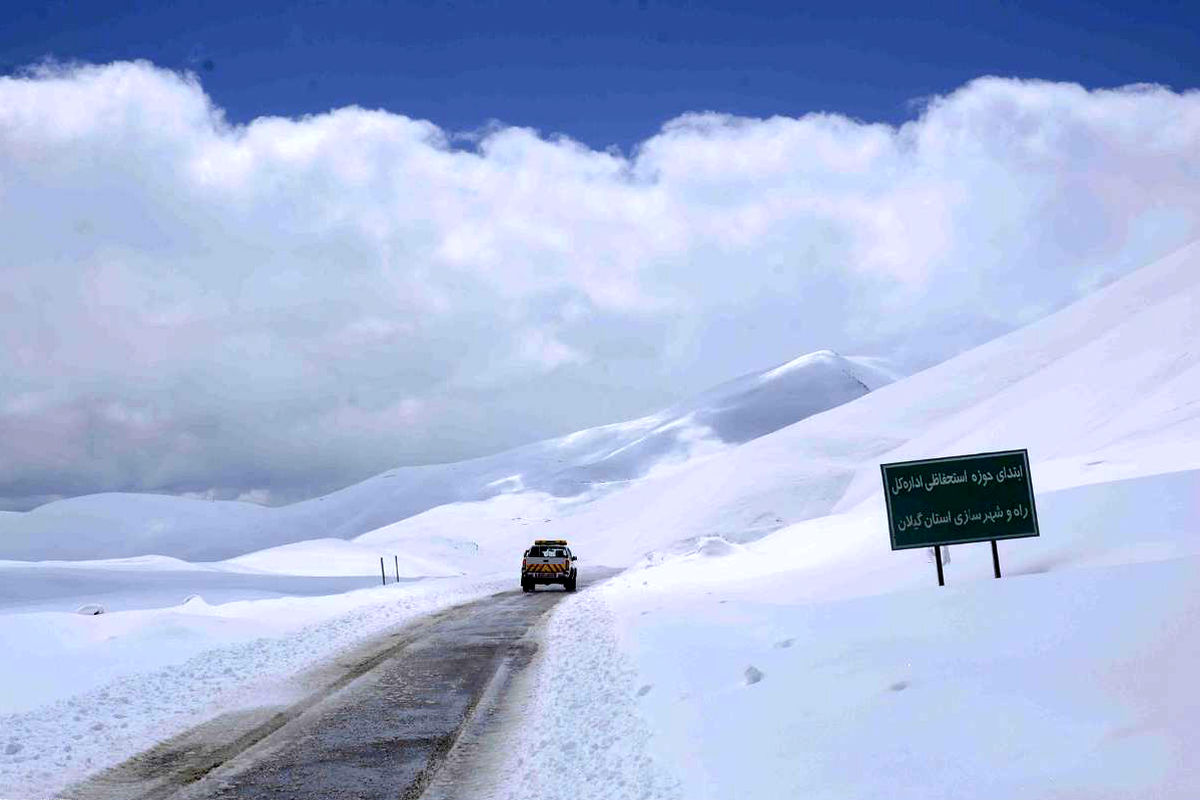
x,y
580,734
329,557
45,586
1050,686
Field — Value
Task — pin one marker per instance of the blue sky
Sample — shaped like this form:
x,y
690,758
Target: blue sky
x,y
611,72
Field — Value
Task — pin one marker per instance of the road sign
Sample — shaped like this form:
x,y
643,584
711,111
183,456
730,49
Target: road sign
x,y
976,498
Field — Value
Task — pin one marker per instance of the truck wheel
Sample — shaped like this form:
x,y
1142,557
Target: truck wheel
x,y
569,584
526,586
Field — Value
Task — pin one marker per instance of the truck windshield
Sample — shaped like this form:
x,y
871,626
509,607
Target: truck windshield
x,y
547,552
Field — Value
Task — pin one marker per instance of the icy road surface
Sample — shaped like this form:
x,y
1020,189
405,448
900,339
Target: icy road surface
x,y
378,723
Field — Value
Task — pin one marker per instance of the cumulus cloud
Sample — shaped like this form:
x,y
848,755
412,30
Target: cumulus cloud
x,y
283,307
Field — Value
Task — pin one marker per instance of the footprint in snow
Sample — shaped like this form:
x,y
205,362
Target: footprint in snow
x,y
899,686
645,690
785,643
753,675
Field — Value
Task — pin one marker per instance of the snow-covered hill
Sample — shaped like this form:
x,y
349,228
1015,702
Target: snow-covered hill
x,y
815,662
587,462
1108,388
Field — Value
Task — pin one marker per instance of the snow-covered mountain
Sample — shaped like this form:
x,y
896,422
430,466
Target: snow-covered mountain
x,y
1107,388
587,462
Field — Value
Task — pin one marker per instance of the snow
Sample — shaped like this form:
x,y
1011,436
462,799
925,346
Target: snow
x,y
326,557
39,587
765,641
815,662
811,661
88,692
317,567
581,735
183,640
1033,686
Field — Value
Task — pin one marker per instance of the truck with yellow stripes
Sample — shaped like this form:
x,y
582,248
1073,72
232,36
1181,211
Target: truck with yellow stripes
x,y
548,561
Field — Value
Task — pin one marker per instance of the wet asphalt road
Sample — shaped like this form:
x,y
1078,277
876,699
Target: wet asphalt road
x,y
378,723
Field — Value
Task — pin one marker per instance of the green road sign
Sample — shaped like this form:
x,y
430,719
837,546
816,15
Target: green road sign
x,y
959,499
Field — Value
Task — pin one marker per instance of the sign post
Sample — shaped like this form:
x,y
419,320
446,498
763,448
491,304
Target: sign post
x,y
960,499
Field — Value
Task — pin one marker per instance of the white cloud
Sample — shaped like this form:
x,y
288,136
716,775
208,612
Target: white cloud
x,y
296,303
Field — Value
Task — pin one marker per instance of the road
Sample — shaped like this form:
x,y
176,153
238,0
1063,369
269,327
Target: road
x,y
378,722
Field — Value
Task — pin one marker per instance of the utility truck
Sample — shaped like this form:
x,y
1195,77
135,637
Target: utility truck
x,y
548,561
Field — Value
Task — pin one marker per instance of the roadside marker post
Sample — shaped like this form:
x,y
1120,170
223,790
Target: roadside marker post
x,y
983,497
382,574
397,567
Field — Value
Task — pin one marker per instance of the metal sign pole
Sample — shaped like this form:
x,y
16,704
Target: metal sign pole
x,y
995,559
937,554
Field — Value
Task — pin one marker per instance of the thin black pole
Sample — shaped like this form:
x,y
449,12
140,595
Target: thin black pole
x,y
382,574
397,568
995,559
937,554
